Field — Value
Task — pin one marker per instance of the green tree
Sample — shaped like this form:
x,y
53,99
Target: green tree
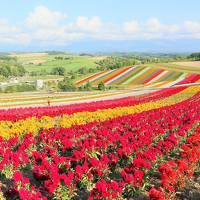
x,y
20,88
195,56
66,85
83,70
8,69
21,70
58,71
18,70
5,71
101,86
2,78
87,86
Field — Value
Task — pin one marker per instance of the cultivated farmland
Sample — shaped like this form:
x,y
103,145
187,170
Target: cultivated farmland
x,y
140,141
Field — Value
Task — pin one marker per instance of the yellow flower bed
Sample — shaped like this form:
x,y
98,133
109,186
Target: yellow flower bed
x,y
33,124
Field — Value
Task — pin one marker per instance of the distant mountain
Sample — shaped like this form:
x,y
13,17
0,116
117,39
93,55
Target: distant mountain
x,y
91,46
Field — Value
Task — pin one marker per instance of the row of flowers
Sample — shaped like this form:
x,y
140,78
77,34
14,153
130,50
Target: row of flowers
x,y
15,114
146,75
190,79
119,158
119,73
84,80
34,124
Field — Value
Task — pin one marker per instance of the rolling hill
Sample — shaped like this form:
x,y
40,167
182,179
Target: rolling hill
x,y
139,76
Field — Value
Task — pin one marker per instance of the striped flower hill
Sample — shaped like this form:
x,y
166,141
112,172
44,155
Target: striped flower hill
x,y
140,75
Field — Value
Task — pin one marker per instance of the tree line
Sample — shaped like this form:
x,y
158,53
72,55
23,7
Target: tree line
x,y
195,56
8,70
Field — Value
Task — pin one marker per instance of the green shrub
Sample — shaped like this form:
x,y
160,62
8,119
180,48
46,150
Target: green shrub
x,y
67,85
20,88
101,86
58,71
87,86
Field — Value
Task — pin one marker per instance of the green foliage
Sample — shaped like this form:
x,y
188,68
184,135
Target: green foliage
x,y
66,85
87,86
62,58
116,62
83,71
20,88
5,71
63,192
8,70
59,58
86,54
55,52
18,70
58,71
93,70
72,74
5,57
2,78
42,72
8,171
195,56
101,86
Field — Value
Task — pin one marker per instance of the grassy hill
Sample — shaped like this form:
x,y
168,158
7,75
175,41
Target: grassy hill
x,y
35,62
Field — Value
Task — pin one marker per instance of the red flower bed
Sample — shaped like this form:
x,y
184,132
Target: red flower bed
x,y
90,77
117,74
22,113
115,159
190,79
153,76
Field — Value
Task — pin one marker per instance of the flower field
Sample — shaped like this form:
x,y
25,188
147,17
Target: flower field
x,y
140,75
146,145
36,99
127,81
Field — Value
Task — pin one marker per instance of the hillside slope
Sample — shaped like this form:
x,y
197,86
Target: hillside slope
x,y
140,76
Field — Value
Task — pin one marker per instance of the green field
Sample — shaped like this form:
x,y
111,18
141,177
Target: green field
x,y
37,62
48,62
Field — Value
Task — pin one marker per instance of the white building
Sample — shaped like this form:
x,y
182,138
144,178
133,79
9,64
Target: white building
x,y
39,84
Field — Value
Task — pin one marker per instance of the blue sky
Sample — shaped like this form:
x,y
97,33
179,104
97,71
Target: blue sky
x,y
100,25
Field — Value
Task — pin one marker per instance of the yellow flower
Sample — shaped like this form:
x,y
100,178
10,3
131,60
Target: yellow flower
x,y
33,124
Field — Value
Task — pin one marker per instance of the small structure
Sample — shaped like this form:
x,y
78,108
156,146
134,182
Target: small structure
x,y
39,84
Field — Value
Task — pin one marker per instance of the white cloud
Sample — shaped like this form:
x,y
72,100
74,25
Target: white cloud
x,y
6,28
56,37
42,17
92,24
154,25
12,34
51,27
192,26
131,27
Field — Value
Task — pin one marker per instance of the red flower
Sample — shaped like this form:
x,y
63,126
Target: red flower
x,y
155,194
